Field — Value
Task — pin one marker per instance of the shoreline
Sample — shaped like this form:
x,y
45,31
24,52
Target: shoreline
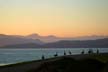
x,y
26,66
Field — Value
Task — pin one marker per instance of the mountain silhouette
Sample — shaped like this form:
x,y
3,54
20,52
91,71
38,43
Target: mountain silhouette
x,y
46,39
99,43
52,38
12,40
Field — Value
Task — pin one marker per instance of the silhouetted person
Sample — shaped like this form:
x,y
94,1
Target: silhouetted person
x,y
90,51
43,57
64,53
56,55
70,53
97,51
82,52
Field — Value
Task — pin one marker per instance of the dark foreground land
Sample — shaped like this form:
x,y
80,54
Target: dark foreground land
x,y
70,63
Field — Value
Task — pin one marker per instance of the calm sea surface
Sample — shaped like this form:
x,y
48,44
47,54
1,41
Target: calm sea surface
x,y
9,56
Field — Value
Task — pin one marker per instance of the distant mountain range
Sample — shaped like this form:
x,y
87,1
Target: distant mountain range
x,y
46,39
12,40
99,43
37,41
52,38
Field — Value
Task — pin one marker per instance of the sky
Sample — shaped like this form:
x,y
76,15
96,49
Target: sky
x,y
64,18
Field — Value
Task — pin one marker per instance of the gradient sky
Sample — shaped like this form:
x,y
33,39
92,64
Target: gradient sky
x,y
65,18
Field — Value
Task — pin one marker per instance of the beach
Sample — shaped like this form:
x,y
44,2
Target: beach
x,y
32,66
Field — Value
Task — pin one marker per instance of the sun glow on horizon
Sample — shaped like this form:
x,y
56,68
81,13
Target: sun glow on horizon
x,y
63,18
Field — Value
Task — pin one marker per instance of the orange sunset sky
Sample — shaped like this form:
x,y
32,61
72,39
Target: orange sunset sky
x,y
64,18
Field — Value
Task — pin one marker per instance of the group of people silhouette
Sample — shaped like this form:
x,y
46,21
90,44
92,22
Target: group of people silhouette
x,y
90,51
56,54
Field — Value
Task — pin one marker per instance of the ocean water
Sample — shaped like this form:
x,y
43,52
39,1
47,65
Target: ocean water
x,y
11,56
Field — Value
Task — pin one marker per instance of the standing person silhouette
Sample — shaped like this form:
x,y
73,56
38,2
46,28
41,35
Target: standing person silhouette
x,y
97,51
56,54
70,53
64,53
43,57
82,52
90,51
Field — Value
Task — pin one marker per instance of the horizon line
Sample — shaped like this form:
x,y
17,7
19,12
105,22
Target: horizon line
x,y
55,35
